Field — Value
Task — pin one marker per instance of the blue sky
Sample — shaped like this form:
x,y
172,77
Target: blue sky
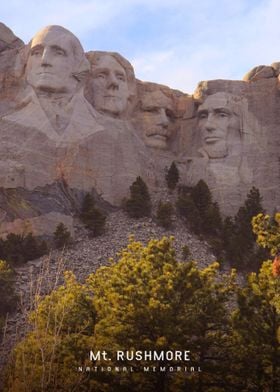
x,y
173,42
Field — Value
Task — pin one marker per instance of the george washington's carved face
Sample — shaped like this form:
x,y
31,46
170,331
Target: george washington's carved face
x,y
218,124
109,86
52,61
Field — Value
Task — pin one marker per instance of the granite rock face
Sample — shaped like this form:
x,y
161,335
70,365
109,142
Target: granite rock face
x,y
73,122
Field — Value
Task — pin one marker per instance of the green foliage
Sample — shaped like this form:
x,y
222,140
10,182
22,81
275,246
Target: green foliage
x,y
267,231
201,196
62,236
256,321
164,214
172,176
145,300
137,299
92,217
239,239
7,296
21,248
139,203
188,211
60,340
198,210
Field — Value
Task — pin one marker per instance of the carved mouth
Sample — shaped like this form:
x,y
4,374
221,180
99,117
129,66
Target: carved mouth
x,y
212,139
45,73
157,136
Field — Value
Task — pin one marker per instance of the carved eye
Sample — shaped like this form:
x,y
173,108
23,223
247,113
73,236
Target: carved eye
x,y
59,52
223,114
120,77
101,76
170,114
36,52
151,110
202,115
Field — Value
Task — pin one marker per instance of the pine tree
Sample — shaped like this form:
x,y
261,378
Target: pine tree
x,y
188,211
139,203
256,325
242,251
132,303
92,217
164,214
61,236
172,176
201,196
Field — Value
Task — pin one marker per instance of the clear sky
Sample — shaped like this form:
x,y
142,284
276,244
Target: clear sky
x,y
173,42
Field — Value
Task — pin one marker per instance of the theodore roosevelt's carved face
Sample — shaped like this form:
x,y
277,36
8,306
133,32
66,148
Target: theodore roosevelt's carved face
x,y
219,124
109,86
157,119
52,62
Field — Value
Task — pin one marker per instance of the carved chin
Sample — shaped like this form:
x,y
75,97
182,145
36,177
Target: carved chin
x,y
111,105
156,141
216,152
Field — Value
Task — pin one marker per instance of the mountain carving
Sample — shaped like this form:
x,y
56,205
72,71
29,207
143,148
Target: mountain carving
x,y
73,122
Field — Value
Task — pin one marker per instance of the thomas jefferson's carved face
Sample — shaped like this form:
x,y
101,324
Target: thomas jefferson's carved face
x,y
110,87
219,125
157,119
51,62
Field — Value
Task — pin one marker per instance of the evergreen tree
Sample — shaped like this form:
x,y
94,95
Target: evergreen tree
x,y
188,211
92,217
137,299
240,246
256,350
201,196
131,304
61,236
139,203
212,220
164,214
209,212
172,176
18,248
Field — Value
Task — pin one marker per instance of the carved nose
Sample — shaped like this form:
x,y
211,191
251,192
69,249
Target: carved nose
x,y
46,61
210,124
163,119
113,81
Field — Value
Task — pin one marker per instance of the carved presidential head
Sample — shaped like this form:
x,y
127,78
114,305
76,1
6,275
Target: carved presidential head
x,y
112,83
220,123
156,114
56,61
